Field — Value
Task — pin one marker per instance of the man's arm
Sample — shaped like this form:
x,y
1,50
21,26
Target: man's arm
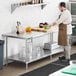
x,y
61,19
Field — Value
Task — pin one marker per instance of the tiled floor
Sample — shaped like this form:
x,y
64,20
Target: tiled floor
x,y
17,68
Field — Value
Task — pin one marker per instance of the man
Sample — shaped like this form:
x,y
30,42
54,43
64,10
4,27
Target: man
x,y
65,30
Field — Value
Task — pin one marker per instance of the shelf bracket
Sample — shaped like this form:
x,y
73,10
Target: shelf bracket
x,y
13,7
42,6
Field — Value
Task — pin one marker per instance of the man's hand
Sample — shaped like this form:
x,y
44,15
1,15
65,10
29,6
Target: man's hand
x,y
54,23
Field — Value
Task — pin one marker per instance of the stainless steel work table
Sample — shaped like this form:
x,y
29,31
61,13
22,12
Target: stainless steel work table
x,y
28,38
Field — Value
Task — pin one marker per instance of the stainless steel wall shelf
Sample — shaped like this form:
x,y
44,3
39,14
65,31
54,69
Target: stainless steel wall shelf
x,y
14,6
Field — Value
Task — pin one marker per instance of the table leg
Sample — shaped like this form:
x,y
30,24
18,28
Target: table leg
x,y
50,57
26,52
6,50
51,38
51,41
26,66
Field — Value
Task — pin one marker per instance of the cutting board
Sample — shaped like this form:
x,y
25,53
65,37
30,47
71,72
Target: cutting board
x,y
71,70
39,29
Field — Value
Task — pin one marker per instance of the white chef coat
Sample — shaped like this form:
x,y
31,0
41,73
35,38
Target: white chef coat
x,y
65,18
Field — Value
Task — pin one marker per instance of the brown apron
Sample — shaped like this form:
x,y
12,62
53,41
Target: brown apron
x,y
62,36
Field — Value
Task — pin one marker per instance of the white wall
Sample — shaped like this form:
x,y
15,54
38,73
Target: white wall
x,y
29,16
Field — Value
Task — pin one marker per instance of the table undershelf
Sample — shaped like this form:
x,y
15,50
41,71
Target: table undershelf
x,y
35,57
31,58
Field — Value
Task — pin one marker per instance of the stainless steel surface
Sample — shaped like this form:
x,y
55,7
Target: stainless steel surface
x,y
72,8
32,58
17,5
72,0
25,35
7,50
36,52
